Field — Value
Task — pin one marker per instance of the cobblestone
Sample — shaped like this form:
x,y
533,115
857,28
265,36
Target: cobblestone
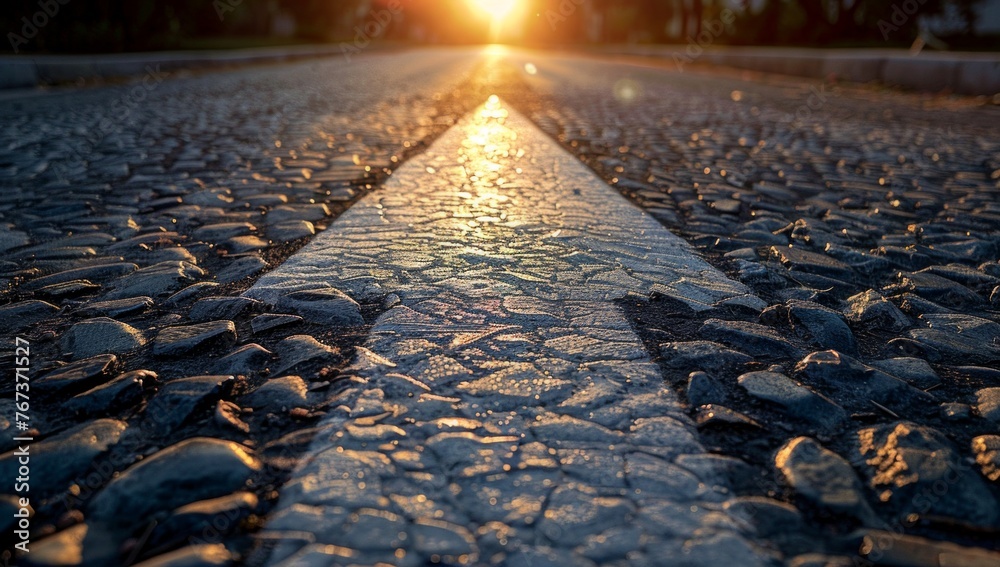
x,y
988,404
63,458
123,391
794,398
101,335
900,463
79,375
192,470
180,340
178,400
824,477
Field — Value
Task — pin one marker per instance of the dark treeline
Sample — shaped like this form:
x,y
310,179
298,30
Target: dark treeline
x,y
135,25
33,26
760,22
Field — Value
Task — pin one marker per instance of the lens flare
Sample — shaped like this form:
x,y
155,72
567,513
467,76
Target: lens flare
x,y
627,90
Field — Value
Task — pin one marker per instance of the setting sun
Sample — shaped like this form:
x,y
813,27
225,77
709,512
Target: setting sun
x,y
497,9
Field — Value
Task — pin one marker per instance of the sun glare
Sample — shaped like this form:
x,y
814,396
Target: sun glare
x,y
497,9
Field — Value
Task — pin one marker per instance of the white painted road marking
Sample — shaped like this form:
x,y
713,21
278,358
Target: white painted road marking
x,y
508,411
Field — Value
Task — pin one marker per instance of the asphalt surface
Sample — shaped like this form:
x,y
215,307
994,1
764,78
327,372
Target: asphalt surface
x,y
848,413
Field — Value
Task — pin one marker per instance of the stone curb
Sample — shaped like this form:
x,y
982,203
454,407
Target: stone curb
x,y
964,73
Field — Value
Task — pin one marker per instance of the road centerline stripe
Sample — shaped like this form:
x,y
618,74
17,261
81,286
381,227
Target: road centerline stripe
x,y
504,390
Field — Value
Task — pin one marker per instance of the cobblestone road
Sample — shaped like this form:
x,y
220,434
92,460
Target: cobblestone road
x,y
849,405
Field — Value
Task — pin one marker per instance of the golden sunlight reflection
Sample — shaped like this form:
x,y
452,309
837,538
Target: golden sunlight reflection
x,y
486,159
495,51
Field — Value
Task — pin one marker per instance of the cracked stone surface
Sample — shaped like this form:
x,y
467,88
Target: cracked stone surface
x,y
504,256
